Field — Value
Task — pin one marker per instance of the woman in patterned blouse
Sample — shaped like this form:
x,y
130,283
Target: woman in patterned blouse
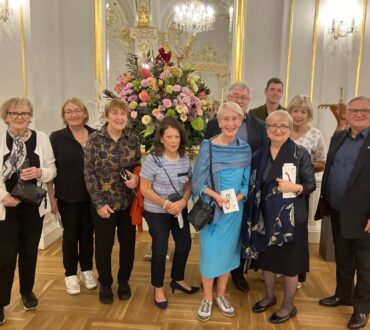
x,y
110,157
301,110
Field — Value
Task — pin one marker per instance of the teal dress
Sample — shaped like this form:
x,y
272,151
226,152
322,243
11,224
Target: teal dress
x,y
220,244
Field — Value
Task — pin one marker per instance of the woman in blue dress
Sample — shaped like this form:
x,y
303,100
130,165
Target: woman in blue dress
x,y
220,241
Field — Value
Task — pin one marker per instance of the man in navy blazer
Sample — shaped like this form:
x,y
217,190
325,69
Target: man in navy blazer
x,y
253,131
345,196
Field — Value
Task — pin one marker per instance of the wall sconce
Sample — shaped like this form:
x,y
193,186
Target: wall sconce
x,y
5,11
342,28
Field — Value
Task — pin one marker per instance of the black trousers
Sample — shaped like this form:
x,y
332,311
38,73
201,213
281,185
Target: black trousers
x,y
105,230
160,226
20,234
351,256
78,241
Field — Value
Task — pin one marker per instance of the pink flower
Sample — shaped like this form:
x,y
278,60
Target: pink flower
x,y
202,95
129,85
186,90
132,98
143,104
167,103
145,83
144,96
133,114
176,88
145,73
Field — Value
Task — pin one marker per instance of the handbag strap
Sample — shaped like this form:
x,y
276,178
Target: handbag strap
x,y
210,165
158,162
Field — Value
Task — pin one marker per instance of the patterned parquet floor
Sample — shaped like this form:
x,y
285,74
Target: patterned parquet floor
x,y
58,310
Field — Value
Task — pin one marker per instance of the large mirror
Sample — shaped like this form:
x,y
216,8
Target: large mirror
x,y
136,26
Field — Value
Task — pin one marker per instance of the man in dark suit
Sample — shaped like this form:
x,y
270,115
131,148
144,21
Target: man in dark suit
x,y
252,131
345,196
273,92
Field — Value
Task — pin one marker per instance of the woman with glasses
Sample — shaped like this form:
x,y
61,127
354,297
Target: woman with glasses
x,y
25,154
277,215
71,198
111,156
303,133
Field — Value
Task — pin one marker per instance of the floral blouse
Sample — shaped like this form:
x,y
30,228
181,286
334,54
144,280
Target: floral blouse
x,y
314,143
105,159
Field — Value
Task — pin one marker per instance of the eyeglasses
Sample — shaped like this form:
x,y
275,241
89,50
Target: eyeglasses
x,y
239,97
274,127
23,115
359,111
69,112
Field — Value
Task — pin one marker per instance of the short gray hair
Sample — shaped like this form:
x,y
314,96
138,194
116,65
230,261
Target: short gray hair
x,y
281,114
230,106
359,98
240,85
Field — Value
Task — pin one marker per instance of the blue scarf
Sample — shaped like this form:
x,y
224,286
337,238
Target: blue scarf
x,y
235,156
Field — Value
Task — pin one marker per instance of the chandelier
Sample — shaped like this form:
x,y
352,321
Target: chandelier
x,y
194,16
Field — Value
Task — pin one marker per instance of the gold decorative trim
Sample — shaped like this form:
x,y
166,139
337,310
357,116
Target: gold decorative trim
x,y
291,16
314,47
23,51
362,35
238,54
99,49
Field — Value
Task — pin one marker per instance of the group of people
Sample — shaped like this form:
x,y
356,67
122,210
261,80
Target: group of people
x,y
265,159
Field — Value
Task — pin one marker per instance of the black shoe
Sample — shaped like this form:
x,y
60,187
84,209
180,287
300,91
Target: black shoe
x,y
30,302
176,286
274,318
240,282
124,291
162,304
105,294
334,301
2,316
258,308
358,320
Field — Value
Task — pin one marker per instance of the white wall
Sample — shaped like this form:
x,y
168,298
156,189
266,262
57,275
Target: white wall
x,y
59,57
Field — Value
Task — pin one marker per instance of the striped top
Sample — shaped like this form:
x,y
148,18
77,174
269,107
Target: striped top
x,y
178,170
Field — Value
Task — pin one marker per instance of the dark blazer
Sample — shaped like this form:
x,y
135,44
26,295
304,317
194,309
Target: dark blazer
x,y
69,160
355,210
256,131
261,112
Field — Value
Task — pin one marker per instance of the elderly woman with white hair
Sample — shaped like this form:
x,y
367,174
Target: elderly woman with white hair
x,y
220,241
277,214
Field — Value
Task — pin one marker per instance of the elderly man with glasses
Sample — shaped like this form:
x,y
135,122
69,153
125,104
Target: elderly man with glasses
x,y
252,131
345,197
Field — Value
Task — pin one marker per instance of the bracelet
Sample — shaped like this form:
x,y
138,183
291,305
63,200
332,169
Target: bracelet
x,y
165,204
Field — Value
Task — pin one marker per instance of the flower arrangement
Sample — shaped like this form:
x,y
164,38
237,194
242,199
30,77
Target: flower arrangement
x,y
159,88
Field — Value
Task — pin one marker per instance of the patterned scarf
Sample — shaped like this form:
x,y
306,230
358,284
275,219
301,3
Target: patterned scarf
x,y
17,155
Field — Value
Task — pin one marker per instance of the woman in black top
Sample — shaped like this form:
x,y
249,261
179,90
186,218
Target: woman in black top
x,y
71,198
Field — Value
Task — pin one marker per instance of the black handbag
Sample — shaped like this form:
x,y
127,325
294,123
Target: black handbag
x,y
28,192
202,213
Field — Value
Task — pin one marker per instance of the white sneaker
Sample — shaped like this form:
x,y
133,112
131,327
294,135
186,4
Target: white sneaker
x,y
299,285
72,285
205,310
88,279
225,307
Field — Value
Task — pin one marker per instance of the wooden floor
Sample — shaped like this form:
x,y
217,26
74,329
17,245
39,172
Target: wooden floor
x,y
58,310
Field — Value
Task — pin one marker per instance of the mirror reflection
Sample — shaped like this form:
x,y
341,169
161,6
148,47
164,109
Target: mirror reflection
x,y
137,26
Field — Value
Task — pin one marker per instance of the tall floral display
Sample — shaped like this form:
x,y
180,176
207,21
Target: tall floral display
x,y
159,88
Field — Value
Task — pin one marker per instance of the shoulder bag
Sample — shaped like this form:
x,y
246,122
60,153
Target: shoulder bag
x,y
202,213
